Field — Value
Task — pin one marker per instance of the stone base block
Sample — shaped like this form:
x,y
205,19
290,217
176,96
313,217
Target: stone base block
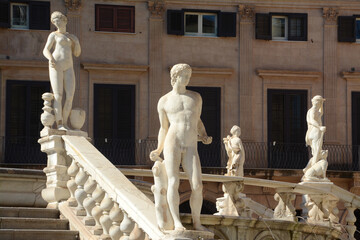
x,y
55,194
89,221
188,234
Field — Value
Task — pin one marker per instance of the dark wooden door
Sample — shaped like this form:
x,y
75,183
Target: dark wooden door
x,y
355,113
210,155
23,109
287,128
114,122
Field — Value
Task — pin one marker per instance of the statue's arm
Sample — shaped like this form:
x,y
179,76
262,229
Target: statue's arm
x,y
49,44
76,49
164,127
202,133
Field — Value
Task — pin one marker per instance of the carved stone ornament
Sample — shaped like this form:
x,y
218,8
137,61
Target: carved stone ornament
x,y
246,12
72,5
330,14
156,8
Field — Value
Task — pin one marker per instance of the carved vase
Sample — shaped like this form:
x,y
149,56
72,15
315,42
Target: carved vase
x,y
77,118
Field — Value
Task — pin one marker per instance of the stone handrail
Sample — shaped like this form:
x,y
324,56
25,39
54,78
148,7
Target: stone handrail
x,y
105,195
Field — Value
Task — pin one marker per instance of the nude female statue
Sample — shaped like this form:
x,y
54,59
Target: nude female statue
x,y
315,133
61,69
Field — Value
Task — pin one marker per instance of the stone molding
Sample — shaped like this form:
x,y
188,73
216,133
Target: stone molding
x,y
114,67
288,74
247,13
351,76
330,15
72,5
23,64
210,71
156,8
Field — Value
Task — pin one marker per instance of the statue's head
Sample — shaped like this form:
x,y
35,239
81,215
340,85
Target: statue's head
x,y
317,99
178,69
235,130
55,16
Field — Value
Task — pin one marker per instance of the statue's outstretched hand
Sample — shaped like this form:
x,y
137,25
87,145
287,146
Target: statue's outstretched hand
x,y
206,140
155,156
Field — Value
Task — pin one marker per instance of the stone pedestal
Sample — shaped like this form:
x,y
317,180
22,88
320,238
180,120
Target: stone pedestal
x,y
55,171
188,235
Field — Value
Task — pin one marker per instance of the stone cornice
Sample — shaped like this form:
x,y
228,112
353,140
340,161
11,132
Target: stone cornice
x,y
114,67
351,76
210,71
288,74
23,64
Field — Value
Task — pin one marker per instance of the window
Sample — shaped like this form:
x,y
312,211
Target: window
x,y
113,18
26,15
349,28
201,23
284,26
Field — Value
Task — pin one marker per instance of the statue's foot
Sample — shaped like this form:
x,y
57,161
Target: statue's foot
x,y
179,227
63,127
200,227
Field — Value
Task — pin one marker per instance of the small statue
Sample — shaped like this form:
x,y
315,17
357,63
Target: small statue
x,y
316,170
61,68
235,151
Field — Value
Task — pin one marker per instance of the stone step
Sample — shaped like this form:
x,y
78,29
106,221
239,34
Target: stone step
x,y
25,212
21,234
33,223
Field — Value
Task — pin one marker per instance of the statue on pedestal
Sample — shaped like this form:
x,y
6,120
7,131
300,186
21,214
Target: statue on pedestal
x,y
317,165
180,129
61,68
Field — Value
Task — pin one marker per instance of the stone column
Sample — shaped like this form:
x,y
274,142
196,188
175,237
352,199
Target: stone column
x,y
330,71
246,32
74,27
156,8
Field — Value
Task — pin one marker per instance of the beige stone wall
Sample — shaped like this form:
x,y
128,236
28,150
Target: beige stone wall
x,y
232,63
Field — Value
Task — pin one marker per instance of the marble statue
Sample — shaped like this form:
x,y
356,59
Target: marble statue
x,y
180,129
235,151
317,165
61,69
315,133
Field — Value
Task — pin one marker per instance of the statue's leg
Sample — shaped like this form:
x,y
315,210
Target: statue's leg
x,y
56,80
192,167
172,159
69,86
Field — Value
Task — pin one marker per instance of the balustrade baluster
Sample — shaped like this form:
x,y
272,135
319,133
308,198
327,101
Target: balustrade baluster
x,y
72,186
350,221
116,217
96,212
137,233
105,221
126,226
80,194
89,202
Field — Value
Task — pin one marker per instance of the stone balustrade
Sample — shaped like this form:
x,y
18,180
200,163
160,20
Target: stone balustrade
x,y
101,203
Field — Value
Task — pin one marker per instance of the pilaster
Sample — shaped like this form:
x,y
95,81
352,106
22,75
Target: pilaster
x,y
156,9
73,26
330,71
246,33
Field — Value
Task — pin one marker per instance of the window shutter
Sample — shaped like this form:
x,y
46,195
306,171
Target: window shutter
x,y
39,15
227,24
297,27
346,29
104,18
4,14
263,26
175,22
125,19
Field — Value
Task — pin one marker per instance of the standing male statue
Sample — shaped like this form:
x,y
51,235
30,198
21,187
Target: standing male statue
x,y
180,129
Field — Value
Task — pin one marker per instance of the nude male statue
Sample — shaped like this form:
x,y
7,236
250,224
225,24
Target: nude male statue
x,y
180,129
315,133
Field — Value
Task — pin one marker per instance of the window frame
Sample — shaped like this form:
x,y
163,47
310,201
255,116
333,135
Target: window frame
x,y
115,29
200,32
357,18
286,28
12,26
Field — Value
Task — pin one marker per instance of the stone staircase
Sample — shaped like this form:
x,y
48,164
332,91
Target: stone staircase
x,y
22,223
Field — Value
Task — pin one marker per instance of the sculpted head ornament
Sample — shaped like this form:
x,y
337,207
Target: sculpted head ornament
x,y
177,69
